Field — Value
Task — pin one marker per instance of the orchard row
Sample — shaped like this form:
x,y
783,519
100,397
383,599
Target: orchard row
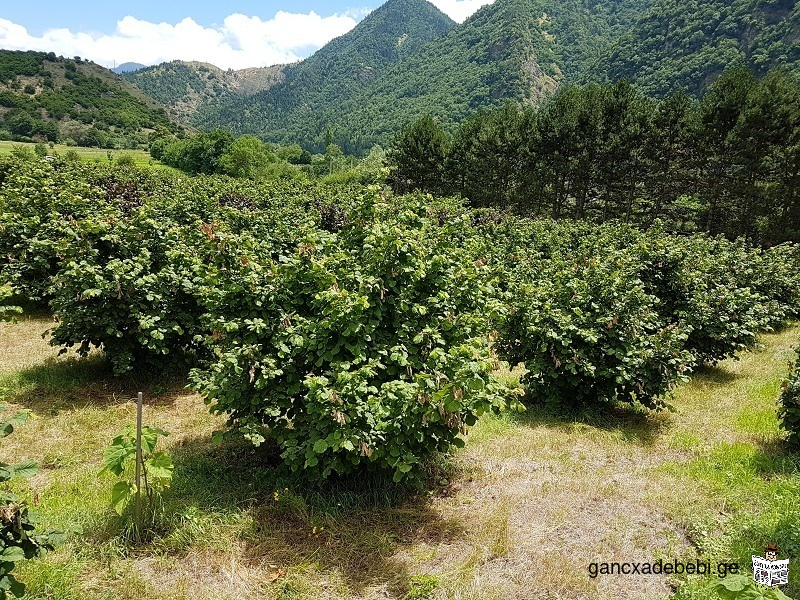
x,y
355,328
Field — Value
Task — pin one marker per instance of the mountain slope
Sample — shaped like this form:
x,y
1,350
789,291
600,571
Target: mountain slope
x,y
511,50
333,74
185,86
688,43
44,96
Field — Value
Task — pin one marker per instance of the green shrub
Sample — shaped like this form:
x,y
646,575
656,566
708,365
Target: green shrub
x,y
695,281
789,410
39,205
362,348
125,160
128,286
588,331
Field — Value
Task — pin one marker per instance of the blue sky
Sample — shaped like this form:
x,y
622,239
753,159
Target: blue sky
x,y
37,17
238,34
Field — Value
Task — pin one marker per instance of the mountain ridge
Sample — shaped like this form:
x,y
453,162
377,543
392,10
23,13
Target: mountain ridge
x,y
48,97
332,75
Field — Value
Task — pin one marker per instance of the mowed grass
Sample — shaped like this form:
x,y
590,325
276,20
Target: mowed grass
x,y
140,157
518,514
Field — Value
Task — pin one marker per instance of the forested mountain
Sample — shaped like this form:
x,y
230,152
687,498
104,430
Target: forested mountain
x,y
290,111
512,49
48,97
518,50
186,86
688,44
404,60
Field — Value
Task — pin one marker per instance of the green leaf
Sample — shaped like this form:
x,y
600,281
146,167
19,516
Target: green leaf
x,y
19,418
121,495
476,384
56,538
159,466
12,554
26,469
116,455
742,587
150,438
320,446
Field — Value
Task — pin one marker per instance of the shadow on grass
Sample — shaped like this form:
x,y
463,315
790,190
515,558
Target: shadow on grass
x,y
775,458
59,384
635,424
713,375
353,525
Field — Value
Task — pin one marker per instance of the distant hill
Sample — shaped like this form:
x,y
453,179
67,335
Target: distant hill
x,y
186,86
407,59
689,43
48,97
361,88
518,50
127,67
290,111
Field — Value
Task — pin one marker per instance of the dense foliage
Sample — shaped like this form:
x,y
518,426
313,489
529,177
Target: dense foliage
x,y
359,329
686,45
729,163
588,331
51,98
789,411
362,347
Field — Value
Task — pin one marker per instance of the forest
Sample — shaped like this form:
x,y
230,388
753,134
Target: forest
x,y
727,163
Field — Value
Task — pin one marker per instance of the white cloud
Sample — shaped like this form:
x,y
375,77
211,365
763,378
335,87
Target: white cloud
x,y
459,10
240,42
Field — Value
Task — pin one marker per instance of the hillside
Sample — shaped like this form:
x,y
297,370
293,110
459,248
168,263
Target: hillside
x,y
511,50
407,59
47,97
186,86
680,44
289,111
514,49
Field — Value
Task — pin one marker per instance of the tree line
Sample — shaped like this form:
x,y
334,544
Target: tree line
x,y
726,163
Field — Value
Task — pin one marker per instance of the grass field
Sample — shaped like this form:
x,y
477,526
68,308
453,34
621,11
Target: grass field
x,y
140,157
519,513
